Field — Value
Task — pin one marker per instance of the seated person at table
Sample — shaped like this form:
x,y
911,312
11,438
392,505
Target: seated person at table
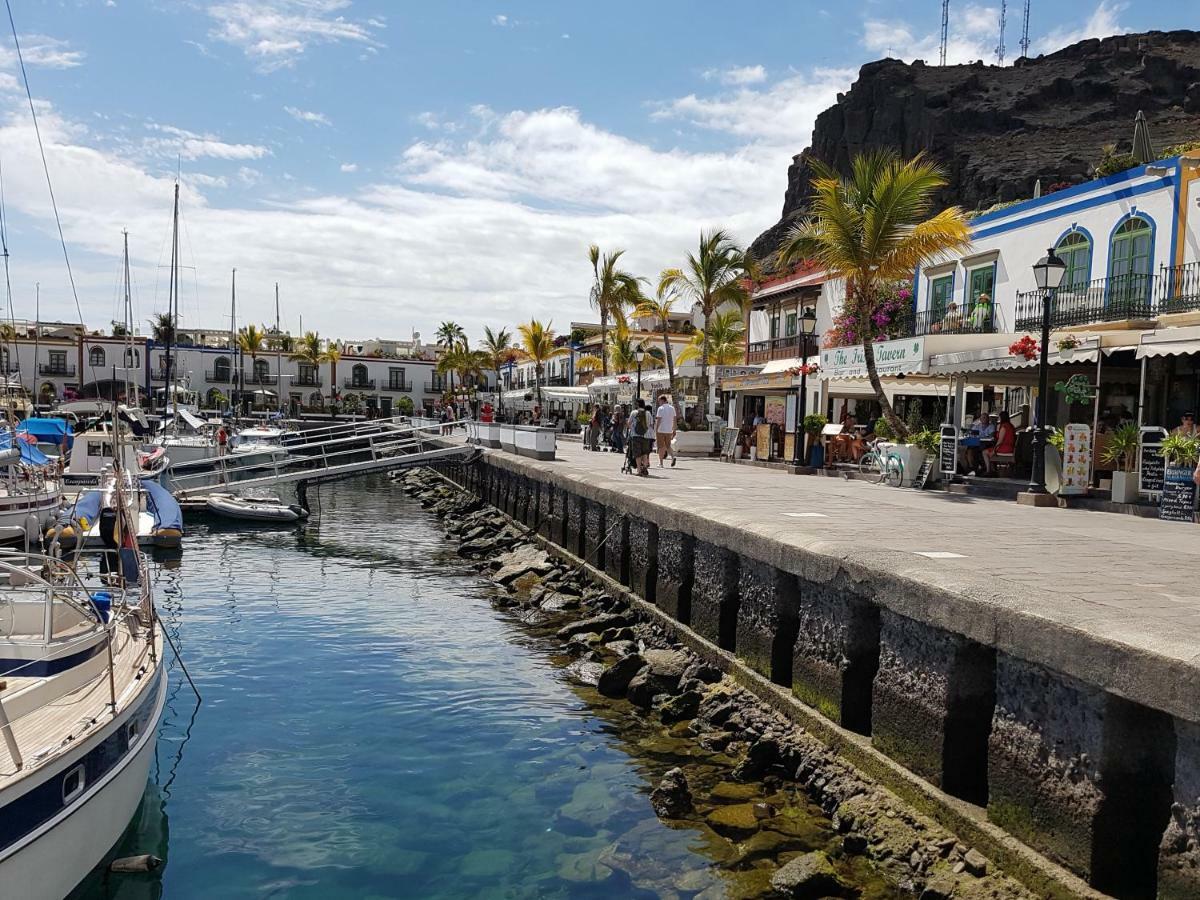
x,y
1187,427
844,442
981,429
1006,442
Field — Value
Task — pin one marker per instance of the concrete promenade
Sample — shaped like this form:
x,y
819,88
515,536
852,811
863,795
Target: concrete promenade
x,y
1040,662
1118,580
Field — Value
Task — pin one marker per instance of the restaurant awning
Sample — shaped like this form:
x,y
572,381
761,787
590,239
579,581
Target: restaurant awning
x,y
1169,342
998,359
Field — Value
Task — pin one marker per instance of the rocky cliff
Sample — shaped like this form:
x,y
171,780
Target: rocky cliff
x,y
997,130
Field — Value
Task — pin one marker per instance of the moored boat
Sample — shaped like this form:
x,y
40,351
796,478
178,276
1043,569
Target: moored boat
x,y
255,509
83,691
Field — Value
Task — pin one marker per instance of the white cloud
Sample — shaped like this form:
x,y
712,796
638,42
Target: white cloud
x,y
500,21
737,75
1101,23
44,52
276,33
307,116
192,145
781,114
349,167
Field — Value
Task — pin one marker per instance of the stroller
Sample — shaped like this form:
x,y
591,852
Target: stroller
x,y
629,466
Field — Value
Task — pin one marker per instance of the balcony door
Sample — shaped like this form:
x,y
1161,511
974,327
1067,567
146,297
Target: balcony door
x,y
1129,263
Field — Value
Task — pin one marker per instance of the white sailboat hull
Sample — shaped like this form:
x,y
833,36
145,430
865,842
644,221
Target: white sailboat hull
x,y
51,861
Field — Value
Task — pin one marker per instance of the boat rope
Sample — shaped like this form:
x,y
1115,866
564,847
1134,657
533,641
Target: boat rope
x,y
179,659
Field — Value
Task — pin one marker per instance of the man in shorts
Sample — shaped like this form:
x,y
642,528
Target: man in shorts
x,y
664,429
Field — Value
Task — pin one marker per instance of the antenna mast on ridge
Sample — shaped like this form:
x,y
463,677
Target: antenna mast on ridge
x,y
1025,32
1003,23
945,28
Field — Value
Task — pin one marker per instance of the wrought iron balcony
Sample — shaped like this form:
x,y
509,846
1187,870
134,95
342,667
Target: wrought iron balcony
x,y
1179,288
400,387
778,348
161,374
218,376
359,384
1121,298
308,381
261,378
61,369
437,387
982,319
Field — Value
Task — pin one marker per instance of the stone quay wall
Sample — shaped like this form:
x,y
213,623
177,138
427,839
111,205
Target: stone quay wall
x,y
1006,714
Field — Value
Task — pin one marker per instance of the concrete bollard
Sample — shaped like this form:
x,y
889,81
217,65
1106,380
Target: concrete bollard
x,y
768,605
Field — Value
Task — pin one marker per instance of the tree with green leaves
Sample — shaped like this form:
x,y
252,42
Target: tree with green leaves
x,y
724,340
537,340
613,291
659,308
873,228
717,275
450,335
162,329
498,347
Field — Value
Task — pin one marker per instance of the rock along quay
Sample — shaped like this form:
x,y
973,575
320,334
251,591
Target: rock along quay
x,y
1040,699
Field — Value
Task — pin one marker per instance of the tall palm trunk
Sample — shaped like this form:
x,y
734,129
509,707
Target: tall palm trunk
x,y
702,405
537,375
865,305
603,341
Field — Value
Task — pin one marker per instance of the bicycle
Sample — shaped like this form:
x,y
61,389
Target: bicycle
x,y
882,465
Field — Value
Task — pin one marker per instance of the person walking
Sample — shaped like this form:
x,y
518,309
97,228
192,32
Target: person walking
x,y
593,432
664,429
618,429
641,427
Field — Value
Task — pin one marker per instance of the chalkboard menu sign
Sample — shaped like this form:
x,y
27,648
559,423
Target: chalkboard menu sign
x,y
922,480
1178,502
1150,464
729,442
948,450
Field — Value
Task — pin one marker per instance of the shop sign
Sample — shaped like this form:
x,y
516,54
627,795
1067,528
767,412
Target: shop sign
x,y
624,393
1150,464
1178,502
775,407
1077,459
750,382
905,356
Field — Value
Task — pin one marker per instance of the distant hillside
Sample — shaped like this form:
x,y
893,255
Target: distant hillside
x,y
997,130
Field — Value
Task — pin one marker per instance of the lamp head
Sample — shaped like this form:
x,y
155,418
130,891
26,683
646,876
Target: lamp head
x,y
808,321
1048,271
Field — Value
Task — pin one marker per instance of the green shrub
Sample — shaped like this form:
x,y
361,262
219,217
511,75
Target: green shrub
x,y
1122,448
1111,162
883,429
1180,450
1181,149
928,439
814,422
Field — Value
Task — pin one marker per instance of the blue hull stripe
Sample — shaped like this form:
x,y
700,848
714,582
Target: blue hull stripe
x,y
44,667
41,804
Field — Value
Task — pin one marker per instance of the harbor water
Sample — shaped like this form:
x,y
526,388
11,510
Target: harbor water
x,y
373,727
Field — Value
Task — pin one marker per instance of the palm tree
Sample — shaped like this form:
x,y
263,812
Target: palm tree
x,y
252,340
162,328
537,340
450,361
497,345
449,335
724,340
613,289
659,308
331,355
309,350
873,228
621,351
716,275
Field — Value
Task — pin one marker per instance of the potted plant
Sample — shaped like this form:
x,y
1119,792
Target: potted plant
x,y
1026,347
812,426
1180,451
911,454
1067,345
1121,451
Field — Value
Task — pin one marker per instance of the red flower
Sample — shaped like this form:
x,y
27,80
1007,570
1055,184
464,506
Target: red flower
x,y
1026,347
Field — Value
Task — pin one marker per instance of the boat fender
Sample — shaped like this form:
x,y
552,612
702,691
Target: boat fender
x,y
143,862
299,510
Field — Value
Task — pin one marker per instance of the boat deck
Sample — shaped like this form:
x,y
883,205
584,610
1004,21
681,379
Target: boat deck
x,y
52,726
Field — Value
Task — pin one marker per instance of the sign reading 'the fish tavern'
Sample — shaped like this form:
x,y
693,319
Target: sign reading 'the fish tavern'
x,y
901,357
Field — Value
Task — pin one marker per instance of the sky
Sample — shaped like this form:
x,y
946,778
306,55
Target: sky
x,y
392,165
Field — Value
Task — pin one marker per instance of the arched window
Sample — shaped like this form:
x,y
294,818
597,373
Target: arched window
x,y
316,399
221,370
358,376
262,371
96,356
1076,251
1130,260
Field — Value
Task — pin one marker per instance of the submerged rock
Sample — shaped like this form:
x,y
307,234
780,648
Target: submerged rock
x,y
673,797
680,707
809,876
737,821
616,678
595,623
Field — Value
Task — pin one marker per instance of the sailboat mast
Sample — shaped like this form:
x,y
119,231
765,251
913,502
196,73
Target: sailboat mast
x,y
37,332
278,354
173,294
233,347
130,382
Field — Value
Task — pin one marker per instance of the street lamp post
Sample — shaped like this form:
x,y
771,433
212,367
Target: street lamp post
x,y
808,327
1048,273
639,354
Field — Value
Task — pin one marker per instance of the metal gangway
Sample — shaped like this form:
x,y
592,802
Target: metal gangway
x,y
380,446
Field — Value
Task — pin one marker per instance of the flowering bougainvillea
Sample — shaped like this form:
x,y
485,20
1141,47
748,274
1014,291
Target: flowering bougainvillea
x,y
624,379
888,320
1026,347
804,369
